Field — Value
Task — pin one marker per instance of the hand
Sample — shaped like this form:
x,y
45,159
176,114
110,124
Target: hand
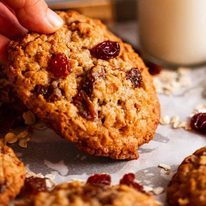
x,y
19,16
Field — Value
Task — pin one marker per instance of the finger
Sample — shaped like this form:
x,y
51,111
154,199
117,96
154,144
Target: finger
x,y
35,15
9,25
3,46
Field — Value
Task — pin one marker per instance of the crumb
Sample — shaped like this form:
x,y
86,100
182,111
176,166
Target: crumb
x,y
10,138
158,190
165,167
169,82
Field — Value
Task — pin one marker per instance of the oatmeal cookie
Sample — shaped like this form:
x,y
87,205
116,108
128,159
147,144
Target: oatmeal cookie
x,y
12,174
88,85
188,186
11,108
77,193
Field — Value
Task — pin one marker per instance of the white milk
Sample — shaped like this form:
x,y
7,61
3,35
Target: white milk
x,y
173,31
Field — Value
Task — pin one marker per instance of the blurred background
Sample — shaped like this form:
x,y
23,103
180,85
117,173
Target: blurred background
x,y
107,10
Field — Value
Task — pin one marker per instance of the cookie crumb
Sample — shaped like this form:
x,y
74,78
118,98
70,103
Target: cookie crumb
x,y
22,135
170,82
158,190
24,142
10,138
165,167
148,189
165,120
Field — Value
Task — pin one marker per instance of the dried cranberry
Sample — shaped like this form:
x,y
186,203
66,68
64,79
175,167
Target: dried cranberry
x,y
129,180
198,122
106,50
99,179
154,69
33,185
84,105
60,65
135,77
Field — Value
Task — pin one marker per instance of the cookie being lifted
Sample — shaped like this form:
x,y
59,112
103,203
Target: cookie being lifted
x,y
87,85
188,186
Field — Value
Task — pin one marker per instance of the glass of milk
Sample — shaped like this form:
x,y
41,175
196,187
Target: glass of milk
x,y
173,32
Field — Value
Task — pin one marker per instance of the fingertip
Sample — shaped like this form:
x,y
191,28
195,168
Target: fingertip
x,y
54,19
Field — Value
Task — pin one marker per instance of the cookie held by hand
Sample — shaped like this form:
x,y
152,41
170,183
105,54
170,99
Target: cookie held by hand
x,y
88,85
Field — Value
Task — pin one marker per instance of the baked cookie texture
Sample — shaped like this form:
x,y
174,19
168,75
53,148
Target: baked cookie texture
x,y
12,174
80,194
188,186
106,107
11,108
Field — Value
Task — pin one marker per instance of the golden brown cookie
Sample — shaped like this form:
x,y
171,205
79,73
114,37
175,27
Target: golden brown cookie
x,y
12,174
77,193
188,186
88,85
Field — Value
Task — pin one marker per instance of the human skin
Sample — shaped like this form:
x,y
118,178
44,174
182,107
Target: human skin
x,y
17,17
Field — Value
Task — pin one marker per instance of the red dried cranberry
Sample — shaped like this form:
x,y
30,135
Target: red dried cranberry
x,y
60,65
33,185
198,122
99,179
135,77
154,69
106,50
84,105
129,180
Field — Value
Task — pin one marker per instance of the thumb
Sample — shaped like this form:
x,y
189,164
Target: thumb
x,y
35,15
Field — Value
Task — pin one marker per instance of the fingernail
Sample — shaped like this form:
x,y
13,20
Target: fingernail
x,y
54,19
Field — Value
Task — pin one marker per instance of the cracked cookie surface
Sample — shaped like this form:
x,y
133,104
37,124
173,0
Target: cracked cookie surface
x,y
188,186
88,85
12,174
77,193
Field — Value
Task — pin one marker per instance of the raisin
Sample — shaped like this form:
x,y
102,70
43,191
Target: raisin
x,y
33,185
154,69
51,93
198,122
135,77
99,179
59,65
106,50
129,180
87,83
89,79
41,90
84,105
55,94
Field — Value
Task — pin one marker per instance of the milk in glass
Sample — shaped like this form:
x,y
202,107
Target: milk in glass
x,y
173,31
